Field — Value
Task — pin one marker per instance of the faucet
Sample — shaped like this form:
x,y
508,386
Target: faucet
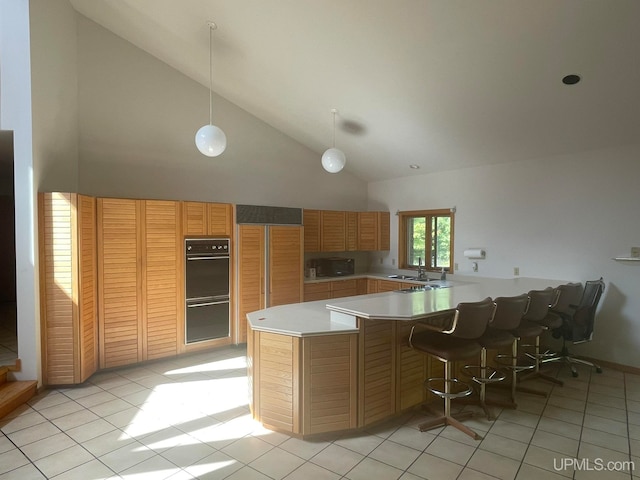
x,y
422,274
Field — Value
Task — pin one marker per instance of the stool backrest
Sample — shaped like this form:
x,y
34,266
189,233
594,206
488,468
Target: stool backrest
x,y
539,303
509,312
471,318
569,296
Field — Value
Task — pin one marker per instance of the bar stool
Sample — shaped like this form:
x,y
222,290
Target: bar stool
x,y
566,295
508,314
458,343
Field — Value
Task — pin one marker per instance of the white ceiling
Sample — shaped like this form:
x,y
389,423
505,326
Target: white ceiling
x,y
444,84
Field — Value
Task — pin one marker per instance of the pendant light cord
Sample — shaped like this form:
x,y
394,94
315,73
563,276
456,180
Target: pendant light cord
x,y
210,76
334,129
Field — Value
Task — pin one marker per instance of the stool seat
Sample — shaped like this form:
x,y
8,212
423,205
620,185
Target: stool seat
x,y
528,328
493,339
445,347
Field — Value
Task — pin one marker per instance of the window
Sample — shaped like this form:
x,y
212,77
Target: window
x,y
426,236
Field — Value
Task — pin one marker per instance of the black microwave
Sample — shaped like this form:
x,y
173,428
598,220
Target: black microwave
x,y
334,266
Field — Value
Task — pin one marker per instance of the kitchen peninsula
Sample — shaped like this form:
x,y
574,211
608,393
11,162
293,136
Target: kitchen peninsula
x,y
342,364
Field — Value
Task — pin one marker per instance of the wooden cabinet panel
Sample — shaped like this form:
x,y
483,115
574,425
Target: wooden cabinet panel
x,y
285,264
411,372
220,219
351,231
344,288
162,279
367,231
311,222
317,291
384,226
362,286
372,285
88,287
200,218
68,287
329,381
332,231
194,218
120,277
377,371
388,285
251,251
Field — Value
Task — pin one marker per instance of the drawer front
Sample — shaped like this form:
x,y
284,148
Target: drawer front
x,y
351,284
322,287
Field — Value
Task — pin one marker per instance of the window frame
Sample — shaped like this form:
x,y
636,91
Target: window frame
x,y
402,237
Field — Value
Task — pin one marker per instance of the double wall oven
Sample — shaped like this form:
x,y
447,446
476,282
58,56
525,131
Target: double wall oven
x,y
207,273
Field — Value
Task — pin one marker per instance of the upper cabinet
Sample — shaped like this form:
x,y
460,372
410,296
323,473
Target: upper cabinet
x,y
199,218
342,231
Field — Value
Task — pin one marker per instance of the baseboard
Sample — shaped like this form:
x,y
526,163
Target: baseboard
x,y
612,365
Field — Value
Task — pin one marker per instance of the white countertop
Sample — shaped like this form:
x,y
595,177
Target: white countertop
x,y
339,315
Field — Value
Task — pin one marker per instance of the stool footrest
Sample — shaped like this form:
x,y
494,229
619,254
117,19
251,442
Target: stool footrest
x,y
452,381
506,361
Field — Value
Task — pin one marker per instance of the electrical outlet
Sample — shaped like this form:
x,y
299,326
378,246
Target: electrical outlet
x,y
455,266
474,265
516,271
393,261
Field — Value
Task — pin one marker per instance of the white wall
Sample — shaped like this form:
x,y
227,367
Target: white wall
x,y
15,114
562,218
138,118
54,87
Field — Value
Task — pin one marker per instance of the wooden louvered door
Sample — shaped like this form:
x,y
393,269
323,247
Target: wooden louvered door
x,y
333,231
162,267
251,281
311,220
87,287
68,287
120,278
285,265
351,231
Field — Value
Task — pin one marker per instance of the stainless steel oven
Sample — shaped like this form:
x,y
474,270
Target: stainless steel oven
x,y
207,272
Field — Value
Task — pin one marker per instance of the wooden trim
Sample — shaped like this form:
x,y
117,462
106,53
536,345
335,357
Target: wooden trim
x,y
402,236
43,289
142,281
75,309
100,279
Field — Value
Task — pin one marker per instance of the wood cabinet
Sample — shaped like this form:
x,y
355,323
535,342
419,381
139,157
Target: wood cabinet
x,y
344,288
317,291
311,222
140,274
388,286
68,292
344,231
373,231
200,218
268,276
333,233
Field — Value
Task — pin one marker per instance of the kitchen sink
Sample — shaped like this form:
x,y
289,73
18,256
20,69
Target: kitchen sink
x,y
402,277
416,288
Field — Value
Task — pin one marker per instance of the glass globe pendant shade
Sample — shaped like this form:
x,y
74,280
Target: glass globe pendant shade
x,y
211,140
333,160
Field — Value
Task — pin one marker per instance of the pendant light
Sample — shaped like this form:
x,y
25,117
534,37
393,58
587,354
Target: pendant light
x,y
211,140
333,159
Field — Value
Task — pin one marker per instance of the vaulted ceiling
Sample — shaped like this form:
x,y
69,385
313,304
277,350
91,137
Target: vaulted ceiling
x,y
442,84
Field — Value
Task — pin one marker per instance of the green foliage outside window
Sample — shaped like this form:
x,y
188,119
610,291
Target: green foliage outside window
x,y
438,255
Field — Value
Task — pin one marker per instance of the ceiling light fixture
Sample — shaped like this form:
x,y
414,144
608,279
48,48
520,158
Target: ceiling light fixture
x,y
571,79
413,166
211,140
333,159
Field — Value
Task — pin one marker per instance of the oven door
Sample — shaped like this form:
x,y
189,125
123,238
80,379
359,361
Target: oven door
x,y
206,276
207,319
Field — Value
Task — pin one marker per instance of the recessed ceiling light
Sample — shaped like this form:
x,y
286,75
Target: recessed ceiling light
x,y
571,79
415,167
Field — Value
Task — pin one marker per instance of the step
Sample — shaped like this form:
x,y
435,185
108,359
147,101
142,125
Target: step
x,y
14,394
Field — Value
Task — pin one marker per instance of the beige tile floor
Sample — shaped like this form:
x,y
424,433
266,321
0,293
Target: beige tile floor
x,y
188,418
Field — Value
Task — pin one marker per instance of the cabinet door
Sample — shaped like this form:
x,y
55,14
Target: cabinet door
x,y
68,287
317,291
311,221
372,285
194,218
285,264
367,231
344,288
251,251
219,219
384,226
332,233
388,285
119,274
87,287
163,279
351,231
